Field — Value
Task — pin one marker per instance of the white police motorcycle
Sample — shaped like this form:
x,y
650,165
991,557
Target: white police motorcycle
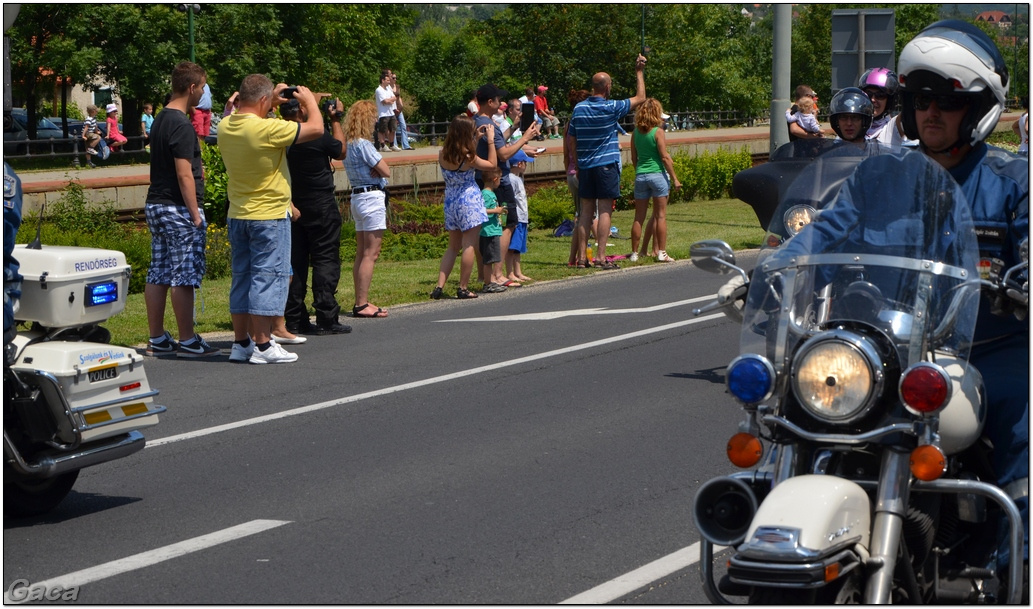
x,y
71,399
865,475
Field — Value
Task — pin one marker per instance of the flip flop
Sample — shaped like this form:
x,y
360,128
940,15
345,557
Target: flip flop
x,y
509,283
380,313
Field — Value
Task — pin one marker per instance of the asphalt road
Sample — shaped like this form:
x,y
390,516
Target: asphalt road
x,y
526,447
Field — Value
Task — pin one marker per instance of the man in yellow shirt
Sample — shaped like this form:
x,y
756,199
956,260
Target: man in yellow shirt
x,y
254,149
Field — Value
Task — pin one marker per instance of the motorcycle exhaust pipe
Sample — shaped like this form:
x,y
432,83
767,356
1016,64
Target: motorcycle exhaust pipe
x,y
723,510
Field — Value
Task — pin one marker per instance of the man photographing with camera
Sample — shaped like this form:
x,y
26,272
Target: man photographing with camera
x,y
253,148
316,235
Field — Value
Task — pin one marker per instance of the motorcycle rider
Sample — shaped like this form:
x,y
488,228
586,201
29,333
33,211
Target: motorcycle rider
x,y
953,88
882,87
850,114
12,279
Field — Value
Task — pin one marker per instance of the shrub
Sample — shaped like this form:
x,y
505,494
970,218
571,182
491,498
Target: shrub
x,y
709,175
73,213
217,252
549,206
409,216
216,196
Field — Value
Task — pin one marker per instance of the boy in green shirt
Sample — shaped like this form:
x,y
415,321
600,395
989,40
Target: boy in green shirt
x,y
491,233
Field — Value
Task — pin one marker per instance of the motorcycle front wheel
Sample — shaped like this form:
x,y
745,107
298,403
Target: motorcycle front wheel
x,y
33,496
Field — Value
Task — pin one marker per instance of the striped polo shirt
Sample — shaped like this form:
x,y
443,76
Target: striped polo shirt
x,y
594,124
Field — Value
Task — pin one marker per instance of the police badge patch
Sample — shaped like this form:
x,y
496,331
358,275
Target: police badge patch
x,y
10,188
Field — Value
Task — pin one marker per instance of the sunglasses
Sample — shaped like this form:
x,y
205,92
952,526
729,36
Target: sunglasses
x,y
875,94
946,103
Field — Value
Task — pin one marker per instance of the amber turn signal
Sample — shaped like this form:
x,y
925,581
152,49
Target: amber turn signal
x,y
744,450
928,463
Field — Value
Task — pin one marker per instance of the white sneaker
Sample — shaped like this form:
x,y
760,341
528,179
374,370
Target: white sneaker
x,y
241,354
633,257
663,257
395,148
275,354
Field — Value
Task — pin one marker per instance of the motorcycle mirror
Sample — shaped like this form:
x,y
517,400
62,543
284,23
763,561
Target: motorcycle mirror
x,y
712,256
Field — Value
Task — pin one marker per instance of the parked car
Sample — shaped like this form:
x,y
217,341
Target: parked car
x,y
74,125
16,132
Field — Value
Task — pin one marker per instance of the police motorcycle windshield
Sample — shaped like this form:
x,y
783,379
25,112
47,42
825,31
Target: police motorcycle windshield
x,y
893,251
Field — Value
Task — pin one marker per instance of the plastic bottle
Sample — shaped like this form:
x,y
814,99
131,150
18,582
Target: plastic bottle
x,y
588,252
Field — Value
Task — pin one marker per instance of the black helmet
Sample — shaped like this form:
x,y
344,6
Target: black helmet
x,y
851,100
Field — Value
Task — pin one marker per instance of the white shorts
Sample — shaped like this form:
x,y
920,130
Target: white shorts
x,y
368,211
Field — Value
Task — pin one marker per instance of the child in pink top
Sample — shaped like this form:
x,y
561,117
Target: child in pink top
x,y
115,137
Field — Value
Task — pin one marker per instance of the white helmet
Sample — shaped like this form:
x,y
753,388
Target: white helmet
x,y
954,57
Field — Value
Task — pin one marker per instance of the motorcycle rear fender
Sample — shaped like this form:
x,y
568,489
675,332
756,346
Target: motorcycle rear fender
x,y
807,516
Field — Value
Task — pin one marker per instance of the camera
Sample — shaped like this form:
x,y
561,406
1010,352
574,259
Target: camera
x,y
288,93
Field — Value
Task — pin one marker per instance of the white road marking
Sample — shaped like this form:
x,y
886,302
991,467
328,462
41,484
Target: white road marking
x,y
639,578
153,557
425,382
550,315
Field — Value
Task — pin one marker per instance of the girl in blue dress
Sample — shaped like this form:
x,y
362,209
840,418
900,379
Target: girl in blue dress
x,y
464,207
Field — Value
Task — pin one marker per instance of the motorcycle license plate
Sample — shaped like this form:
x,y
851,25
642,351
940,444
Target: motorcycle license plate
x,y
103,373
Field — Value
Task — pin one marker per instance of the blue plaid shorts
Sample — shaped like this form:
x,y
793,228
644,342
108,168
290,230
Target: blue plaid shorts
x,y
177,246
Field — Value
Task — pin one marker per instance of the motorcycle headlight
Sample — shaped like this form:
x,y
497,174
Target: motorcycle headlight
x,y
837,376
797,217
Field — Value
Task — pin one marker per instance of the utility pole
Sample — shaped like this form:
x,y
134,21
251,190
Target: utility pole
x,y
781,58
190,9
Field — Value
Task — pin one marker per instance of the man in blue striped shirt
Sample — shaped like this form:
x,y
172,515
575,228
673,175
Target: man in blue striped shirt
x,y
593,125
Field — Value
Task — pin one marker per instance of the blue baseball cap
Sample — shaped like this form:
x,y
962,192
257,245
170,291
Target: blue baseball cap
x,y
521,156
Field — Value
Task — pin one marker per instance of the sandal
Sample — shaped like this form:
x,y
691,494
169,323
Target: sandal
x,y
464,294
606,266
436,294
379,312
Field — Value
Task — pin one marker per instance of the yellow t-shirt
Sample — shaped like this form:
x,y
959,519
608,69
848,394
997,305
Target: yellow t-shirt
x,y
254,150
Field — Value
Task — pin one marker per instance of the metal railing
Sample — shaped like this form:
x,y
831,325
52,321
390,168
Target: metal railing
x,y
53,148
433,131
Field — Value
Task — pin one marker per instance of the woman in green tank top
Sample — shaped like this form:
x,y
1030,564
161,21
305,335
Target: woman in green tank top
x,y
650,157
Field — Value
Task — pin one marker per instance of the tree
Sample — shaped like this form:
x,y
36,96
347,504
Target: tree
x,y
44,47
137,66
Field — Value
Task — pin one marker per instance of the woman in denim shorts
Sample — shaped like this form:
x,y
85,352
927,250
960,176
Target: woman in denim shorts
x,y
650,157
367,174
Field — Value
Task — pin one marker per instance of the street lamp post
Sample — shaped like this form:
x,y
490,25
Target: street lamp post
x,y
190,9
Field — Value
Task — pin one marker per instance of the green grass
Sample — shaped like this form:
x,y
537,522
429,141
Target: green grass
x,y
396,283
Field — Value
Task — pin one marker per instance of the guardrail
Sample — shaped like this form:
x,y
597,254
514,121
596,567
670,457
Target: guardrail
x,y
52,148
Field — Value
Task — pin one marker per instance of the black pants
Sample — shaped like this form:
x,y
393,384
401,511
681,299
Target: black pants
x,y
315,243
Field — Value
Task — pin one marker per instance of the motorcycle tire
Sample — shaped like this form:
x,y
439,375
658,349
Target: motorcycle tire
x,y
34,496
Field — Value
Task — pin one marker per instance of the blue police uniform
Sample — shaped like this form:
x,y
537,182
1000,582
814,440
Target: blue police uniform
x,y
996,184
12,220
